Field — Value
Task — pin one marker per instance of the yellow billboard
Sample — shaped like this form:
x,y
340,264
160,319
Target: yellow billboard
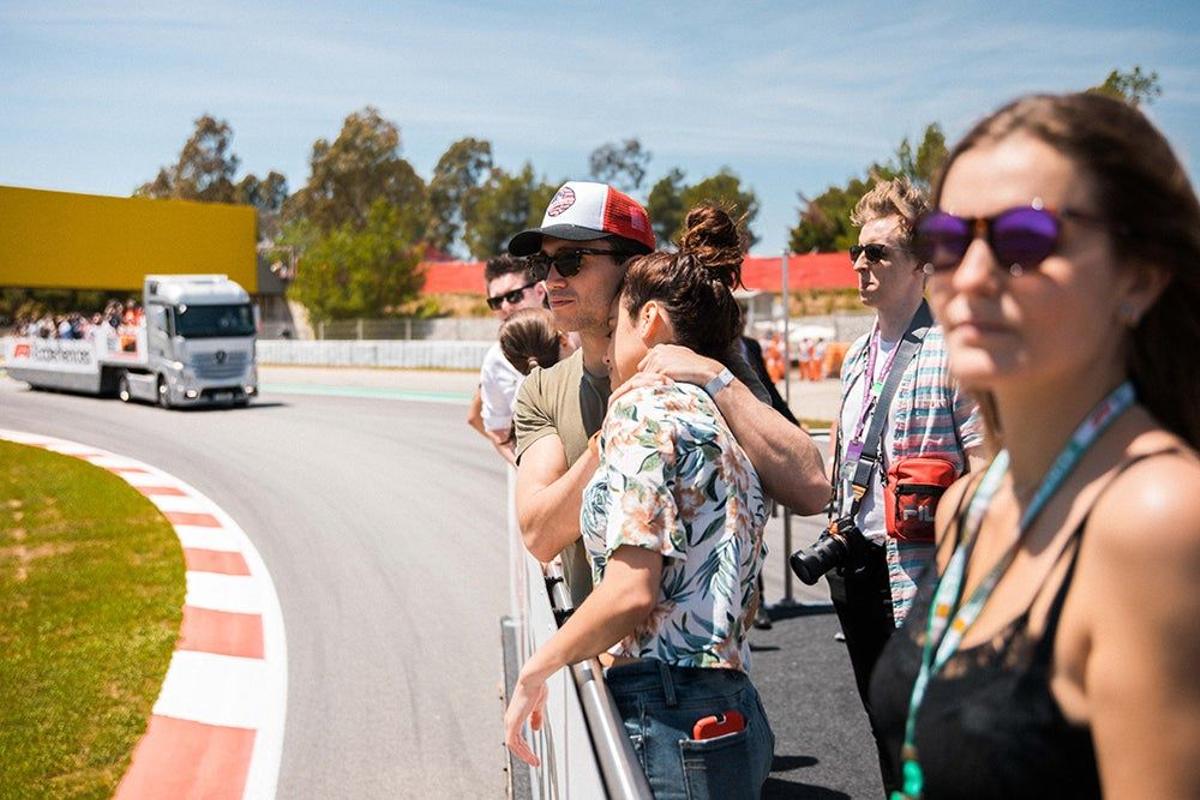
x,y
62,240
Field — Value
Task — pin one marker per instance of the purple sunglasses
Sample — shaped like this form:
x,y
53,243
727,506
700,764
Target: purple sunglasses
x,y
1021,237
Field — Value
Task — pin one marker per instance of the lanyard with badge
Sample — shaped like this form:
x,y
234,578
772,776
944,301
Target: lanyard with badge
x,y
948,619
872,389
862,451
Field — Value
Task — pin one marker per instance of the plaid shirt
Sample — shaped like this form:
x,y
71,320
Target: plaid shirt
x,y
932,418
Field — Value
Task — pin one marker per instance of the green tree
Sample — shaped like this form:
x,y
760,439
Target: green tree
x,y
359,270
268,196
725,189
922,166
505,204
671,197
454,188
204,170
1135,87
824,224
665,205
351,173
825,219
623,165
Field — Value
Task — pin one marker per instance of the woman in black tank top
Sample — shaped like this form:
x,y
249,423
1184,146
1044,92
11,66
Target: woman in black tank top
x,y
1055,649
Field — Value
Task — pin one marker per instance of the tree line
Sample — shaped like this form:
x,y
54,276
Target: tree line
x,y
365,218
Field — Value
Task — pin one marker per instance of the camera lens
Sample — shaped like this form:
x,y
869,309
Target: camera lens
x,y
827,553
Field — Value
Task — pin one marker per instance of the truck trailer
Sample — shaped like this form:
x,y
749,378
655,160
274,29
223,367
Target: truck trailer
x,y
194,345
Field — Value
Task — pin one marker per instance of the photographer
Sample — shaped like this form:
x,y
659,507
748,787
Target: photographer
x,y
897,446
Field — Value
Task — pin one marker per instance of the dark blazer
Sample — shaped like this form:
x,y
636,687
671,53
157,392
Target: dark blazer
x,y
754,357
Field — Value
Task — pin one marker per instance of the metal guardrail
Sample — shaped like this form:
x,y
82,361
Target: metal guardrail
x,y
584,750
619,765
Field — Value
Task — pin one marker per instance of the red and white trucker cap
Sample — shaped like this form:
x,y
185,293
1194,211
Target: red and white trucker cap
x,y
582,210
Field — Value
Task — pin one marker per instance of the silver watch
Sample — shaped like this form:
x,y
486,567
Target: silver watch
x,y
723,379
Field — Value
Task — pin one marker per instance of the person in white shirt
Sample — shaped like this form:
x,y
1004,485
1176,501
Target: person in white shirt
x,y
510,288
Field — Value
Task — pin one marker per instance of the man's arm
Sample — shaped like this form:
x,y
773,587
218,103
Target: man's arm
x,y
503,441
550,495
475,413
787,460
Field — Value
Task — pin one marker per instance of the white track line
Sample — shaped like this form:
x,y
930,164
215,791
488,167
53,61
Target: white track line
x,y
212,688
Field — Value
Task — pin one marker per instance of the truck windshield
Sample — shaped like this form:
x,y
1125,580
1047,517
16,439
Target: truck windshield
x,y
207,322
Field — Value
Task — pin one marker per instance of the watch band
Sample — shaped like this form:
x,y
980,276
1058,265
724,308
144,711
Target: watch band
x,y
723,379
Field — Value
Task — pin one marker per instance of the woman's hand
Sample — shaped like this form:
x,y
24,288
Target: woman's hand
x,y
528,703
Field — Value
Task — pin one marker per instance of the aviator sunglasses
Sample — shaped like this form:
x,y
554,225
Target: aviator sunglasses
x,y
568,262
1021,238
875,252
512,298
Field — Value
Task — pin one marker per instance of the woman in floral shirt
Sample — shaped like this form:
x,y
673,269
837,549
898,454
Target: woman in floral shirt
x,y
673,522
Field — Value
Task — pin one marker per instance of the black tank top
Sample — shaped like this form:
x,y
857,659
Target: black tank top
x,y
989,725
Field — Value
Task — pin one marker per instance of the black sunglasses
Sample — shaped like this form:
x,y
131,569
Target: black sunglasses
x,y
512,298
567,262
875,252
1021,238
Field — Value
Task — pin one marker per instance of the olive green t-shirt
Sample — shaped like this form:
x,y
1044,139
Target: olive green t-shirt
x,y
569,402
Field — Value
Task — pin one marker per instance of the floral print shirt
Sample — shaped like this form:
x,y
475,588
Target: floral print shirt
x,y
672,479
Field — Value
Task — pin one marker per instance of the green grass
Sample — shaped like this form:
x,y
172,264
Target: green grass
x,y
91,592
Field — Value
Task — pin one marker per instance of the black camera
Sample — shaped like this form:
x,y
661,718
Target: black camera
x,y
841,545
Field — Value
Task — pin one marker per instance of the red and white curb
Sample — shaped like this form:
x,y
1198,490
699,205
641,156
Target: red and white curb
x,y
217,728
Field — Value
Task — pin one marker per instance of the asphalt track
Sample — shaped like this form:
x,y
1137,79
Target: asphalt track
x,y
381,521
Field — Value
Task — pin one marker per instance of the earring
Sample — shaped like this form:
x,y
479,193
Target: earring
x,y
1128,314
1016,270
927,269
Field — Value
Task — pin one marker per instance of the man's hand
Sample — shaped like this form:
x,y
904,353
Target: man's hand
x,y
680,364
785,457
665,363
638,380
505,444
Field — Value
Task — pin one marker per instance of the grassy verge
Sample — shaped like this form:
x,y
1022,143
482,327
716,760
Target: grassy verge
x,y
91,590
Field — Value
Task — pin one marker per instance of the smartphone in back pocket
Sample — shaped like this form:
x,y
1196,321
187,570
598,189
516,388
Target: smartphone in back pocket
x,y
719,725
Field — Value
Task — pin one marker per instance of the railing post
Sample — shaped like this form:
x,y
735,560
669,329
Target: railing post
x,y
358,328
788,598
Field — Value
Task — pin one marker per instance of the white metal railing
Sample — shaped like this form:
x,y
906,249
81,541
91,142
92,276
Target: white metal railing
x,y
582,743
409,355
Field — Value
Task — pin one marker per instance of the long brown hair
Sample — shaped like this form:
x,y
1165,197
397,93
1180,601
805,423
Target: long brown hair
x,y
1153,218
695,284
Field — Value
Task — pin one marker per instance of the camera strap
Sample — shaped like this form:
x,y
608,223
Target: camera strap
x,y
868,460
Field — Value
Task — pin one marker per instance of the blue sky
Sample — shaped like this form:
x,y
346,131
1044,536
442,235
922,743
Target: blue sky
x,y
792,96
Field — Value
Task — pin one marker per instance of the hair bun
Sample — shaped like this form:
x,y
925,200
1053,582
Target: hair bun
x,y
714,241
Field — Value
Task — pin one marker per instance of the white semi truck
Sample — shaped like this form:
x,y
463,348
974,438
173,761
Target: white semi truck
x,y
193,346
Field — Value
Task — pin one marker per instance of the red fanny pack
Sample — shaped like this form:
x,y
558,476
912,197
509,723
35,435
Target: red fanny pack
x,y
914,486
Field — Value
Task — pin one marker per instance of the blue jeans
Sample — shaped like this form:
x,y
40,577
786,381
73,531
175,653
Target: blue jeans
x,y
660,703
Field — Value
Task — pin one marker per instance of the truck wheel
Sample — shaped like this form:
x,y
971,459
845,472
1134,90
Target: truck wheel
x,y
164,396
123,389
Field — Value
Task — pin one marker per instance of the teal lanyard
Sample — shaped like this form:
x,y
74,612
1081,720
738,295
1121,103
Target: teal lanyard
x,y
948,621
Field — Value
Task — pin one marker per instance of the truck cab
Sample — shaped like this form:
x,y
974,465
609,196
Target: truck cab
x,y
200,343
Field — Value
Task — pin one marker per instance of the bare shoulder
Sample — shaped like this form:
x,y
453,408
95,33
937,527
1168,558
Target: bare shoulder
x,y
1150,514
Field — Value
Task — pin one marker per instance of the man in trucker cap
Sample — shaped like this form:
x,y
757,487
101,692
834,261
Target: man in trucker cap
x,y
587,234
